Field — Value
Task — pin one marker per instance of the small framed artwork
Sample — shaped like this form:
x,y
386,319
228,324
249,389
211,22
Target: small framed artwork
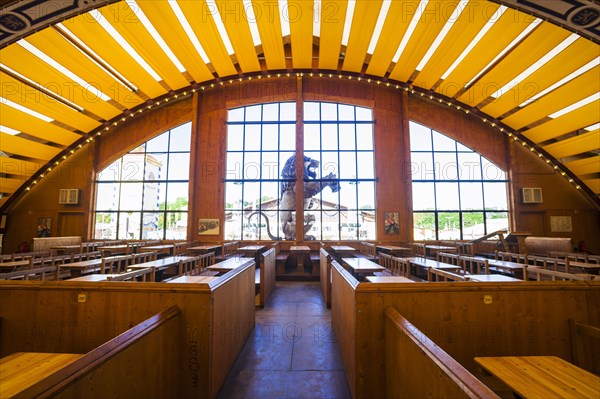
x,y
208,227
391,224
44,227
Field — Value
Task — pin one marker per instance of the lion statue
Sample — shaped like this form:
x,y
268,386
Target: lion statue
x,y
287,200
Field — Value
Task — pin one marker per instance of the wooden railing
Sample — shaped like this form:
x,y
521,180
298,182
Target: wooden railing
x,y
410,355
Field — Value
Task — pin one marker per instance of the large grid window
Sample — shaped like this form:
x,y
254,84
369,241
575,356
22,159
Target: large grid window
x,y
339,178
144,194
457,193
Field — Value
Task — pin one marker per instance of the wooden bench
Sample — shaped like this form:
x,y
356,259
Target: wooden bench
x,y
585,340
443,275
266,275
541,274
38,273
325,275
410,354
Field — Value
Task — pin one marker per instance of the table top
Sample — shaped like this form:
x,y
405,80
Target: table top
x,y
505,264
424,262
389,279
21,370
13,264
93,277
228,264
159,263
157,247
192,279
342,248
542,376
203,248
392,248
113,247
441,247
300,248
251,248
491,278
362,265
82,264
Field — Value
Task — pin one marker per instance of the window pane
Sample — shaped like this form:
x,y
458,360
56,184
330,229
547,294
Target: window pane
x,y
177,196
420,137
180,137
367,228
252,138
235,115
133,167
366,195
329,163
348,195
349,226
179,166
314,219
235,137
129,225
423,196
270,165
153,195
445,164
469,166
424,226
347,165
287,137
107,196
251,195
111,172
496,221
328,112
158,144
270,195
494,195
311,111
329,137
365,165
364,114
176,226
287,111
421,165
150,226
131,196
443,143
234,165
471,196
271,112
364,137
253,113
233,195
330,225
233,226
448,226
270,138
252,165
156,166
106,226
346,112
491,171
347,136
312,137
447,196
473,225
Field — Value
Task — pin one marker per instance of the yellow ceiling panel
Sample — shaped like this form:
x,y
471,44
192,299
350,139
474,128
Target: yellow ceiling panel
x,y
575,145
578,119
501,34
203,24
363,25
585,166
397,21
9,185
236,25
301,25
20,93
269,28
20,60
570,93
431,23
126,22
166,23
463,31
33,126
568,61
333,15
593,184
541,41
17,167
101,42
27,148
70,57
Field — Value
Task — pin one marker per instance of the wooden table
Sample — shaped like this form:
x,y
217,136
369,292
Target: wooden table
x,y
362,266
389,279
93,277
340,250
300,251
431,250
252,251
21,370
114,249
516,269
591,268
491,278
79,268
203,249
65,249
7,267
393,250
158,266
192,279
542,376
164,249
229,264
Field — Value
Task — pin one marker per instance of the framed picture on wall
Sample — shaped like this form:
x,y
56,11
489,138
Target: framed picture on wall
x,y
391,223
208,227
44,227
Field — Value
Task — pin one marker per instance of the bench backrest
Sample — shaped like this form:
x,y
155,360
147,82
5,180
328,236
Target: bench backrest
x,y
540,274
39,273
143,257
475,265
116,264
434,274
136,275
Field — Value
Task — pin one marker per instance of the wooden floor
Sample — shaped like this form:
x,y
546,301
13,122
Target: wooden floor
x,y
292,353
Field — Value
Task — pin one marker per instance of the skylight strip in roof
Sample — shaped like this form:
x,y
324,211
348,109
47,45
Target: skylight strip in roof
x,y
578,104
8,130
284,16
251,19
155,35
59,67
462,5
40,88
510,46
317,18
536,65
213,10
563,81
383,12
124,44
94,57
593,127
348,22
25,110
188,29
411,28
476,40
